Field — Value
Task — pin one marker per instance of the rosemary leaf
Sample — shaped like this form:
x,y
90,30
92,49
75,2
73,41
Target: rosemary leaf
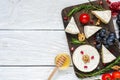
x,y
85,7
75,41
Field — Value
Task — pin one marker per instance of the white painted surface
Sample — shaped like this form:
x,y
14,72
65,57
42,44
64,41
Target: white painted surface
x,y
37,73
33,14
33,47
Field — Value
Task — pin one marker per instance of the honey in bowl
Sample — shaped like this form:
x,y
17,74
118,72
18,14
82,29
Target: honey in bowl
x,y
66,63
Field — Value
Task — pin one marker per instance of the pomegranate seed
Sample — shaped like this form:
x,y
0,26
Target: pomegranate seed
x,y
115,8
108,1
81,52
92,57
72,49
65,18
114,14
100,2
85,67
91,22
104,64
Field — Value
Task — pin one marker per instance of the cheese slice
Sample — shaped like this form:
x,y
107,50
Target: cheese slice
x,y
72,27
90,30
104,16
107,56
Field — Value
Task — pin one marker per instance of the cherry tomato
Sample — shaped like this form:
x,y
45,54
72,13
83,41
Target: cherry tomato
x,y
116,75
106,76
84,18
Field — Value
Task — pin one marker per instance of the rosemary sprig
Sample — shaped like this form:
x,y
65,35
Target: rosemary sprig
x,y
85,7
107,68
76,41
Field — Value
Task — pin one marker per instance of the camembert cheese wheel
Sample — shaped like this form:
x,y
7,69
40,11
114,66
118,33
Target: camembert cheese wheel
x,y
86,58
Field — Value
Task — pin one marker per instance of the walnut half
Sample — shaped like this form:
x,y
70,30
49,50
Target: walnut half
x,y
86,58
116,67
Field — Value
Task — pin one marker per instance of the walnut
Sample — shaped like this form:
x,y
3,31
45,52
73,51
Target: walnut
x,y
86,58
116,67
98,22
81,37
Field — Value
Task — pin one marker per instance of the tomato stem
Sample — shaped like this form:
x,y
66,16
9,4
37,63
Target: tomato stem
x,y
108,79
117,79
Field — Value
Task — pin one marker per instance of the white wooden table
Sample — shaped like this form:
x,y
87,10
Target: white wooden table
x,y
31,35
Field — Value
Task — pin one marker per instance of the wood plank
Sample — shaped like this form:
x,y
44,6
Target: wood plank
x,y
31,47
37,73
33,14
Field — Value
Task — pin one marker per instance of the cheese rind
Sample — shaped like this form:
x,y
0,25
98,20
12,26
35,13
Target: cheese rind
x,y
72,27
107,56
90,30
104,16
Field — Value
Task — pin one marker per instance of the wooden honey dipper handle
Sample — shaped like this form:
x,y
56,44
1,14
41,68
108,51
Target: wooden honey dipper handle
x,y
53,72
59,63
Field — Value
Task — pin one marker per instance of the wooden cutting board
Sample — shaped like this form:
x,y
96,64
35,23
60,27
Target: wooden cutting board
x,y
109,27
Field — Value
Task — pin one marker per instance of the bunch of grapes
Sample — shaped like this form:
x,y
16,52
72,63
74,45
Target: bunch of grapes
x,y
103,38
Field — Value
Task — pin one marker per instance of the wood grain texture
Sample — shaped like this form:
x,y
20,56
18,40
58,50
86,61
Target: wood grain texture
x,y
37,73
31,47
33,14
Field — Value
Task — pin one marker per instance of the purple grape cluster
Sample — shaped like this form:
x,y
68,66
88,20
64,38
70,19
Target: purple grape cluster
x,y
103,38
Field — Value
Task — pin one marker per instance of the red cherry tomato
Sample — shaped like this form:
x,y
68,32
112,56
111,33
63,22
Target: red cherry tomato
x,y
106,76
116,75
84,18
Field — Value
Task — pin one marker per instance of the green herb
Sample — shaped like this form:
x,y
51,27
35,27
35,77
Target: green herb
x,y
76,41
85,7
107,68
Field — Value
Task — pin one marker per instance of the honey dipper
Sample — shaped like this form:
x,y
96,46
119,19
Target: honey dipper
x,y
61,59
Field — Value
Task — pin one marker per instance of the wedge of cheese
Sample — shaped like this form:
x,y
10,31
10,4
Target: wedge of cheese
x,y
104,16
72,27
107,56
90,30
